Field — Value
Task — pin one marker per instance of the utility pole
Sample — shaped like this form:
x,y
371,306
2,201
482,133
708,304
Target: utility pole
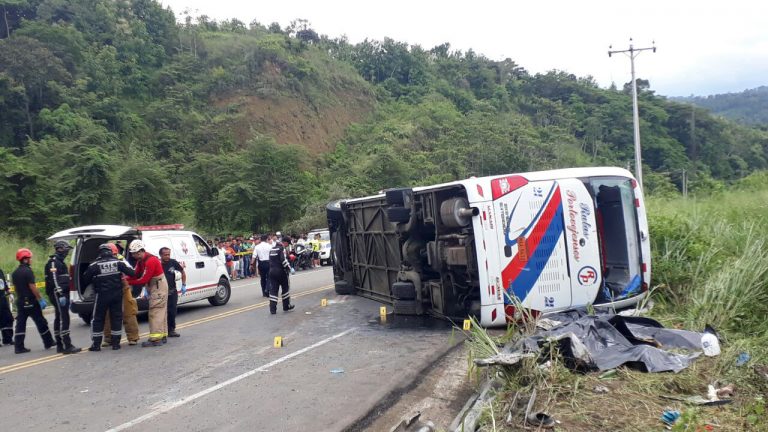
x,y
633,52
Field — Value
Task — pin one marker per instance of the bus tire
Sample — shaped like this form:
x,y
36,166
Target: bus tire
x,y
403,291
407,307
343,288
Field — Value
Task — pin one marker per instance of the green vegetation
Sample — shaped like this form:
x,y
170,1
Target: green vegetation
x,y
114,112
709,267
748,107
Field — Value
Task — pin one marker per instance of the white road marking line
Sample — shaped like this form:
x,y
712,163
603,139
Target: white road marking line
x,y
185,400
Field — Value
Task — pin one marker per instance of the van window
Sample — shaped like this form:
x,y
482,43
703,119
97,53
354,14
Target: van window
x,y
617,229
202,248
324,235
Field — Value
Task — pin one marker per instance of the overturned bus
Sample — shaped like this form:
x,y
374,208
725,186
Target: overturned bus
x,y
495,247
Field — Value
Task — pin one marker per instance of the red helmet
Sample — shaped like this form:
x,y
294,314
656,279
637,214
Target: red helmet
x,y
113,247
23,253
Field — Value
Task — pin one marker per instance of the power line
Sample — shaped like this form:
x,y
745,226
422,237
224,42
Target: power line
x,y
633,52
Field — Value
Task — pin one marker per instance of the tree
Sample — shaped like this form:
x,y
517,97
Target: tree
x,y
16,6
33,65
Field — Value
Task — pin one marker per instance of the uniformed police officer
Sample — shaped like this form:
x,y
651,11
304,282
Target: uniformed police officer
x,y
57,289
279,268
6,317
107,279
29,303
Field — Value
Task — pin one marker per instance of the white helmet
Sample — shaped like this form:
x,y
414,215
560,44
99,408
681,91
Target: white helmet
x,y
136,246
278,233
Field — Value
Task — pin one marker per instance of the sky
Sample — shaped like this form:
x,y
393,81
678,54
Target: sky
x,y
703,47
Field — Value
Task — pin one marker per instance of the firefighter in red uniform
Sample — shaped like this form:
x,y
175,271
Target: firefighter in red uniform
x,y
151,274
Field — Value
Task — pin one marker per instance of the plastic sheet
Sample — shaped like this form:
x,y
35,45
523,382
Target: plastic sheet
x,y
606,341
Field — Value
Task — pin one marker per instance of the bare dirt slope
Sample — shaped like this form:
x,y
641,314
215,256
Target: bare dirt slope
x,y
295,120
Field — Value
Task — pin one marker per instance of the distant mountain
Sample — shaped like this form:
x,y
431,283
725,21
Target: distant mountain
x,y
748,107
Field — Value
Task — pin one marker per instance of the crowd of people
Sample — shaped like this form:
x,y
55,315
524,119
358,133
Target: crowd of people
x,y
271,257
239,253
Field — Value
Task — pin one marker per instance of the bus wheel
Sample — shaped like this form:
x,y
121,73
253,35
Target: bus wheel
x,y
407,307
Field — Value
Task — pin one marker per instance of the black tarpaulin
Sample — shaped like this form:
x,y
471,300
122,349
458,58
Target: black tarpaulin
x,y
606,341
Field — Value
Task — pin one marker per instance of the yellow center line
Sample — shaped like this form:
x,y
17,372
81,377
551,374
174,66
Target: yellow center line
x,y
29,363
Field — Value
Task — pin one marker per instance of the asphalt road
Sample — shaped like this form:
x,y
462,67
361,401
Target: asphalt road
x,y
224,373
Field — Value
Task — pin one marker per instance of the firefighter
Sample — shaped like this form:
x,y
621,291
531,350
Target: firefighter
x,y
6,317
130,309
57,290
29,303
279,268
152,275
106,274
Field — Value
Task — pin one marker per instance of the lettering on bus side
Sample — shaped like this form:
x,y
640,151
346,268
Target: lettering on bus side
x,y
571,227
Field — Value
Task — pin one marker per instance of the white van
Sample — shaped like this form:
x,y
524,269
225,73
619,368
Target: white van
x,y
325,244
207,276
543,241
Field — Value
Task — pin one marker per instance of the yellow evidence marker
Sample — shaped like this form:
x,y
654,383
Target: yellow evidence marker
x,y
467,325
324,302
278,341
383,311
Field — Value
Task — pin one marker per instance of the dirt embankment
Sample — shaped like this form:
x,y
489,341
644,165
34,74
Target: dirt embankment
x,y
294,120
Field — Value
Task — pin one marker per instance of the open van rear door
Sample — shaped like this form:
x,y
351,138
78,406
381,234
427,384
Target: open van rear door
x,y
94,231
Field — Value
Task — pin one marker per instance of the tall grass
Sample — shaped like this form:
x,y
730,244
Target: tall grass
x,y
711,260
9,244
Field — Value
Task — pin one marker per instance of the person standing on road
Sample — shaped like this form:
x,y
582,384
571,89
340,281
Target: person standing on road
x,y
261,263
237,251
6,317
29,303
106,273
152,275
316,251
130,309
170,267
57,290
279,269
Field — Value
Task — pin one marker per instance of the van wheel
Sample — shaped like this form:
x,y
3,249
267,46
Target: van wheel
x,y
86,317
223,292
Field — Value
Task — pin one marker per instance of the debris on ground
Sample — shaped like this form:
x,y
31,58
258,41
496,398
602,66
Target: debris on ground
x,y
337,371
762,371
599,389
710,342
669,417
715,397
725,391
413,423
538,419
742,359
607,341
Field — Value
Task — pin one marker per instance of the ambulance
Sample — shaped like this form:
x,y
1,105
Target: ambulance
x,y
497,247
207,276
